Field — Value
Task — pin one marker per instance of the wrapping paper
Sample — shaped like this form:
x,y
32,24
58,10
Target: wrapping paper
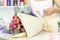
x,y
51,23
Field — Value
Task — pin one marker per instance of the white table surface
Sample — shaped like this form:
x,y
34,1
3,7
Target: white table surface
x,y
41,36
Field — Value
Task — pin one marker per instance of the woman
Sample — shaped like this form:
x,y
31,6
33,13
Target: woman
x,y
52,10
38,6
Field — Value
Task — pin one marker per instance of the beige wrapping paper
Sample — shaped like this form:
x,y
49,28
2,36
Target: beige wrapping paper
x,y
33,25
51,23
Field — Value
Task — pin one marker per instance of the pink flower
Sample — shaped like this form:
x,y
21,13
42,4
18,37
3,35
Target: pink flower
x,y
18,20
18,28
14,26
11,24
14,17
23,29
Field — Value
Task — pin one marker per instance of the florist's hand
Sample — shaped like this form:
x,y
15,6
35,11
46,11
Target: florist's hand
x,y
49,11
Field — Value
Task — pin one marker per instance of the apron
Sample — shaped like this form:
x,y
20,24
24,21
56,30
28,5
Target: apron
x,y
38,7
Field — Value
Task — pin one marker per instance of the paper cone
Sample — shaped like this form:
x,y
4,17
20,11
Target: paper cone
x,y
33,25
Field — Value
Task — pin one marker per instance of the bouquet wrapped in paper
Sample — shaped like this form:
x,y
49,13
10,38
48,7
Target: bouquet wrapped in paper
x,y
25,25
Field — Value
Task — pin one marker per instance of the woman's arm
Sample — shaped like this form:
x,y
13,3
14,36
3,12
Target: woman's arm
x,y
57,2
50,11
56,10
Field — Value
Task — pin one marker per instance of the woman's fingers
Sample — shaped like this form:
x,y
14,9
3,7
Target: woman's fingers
x,y
49,11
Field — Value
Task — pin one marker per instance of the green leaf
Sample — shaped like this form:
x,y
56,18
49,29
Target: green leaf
x,y
16,31
10,28
59,24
